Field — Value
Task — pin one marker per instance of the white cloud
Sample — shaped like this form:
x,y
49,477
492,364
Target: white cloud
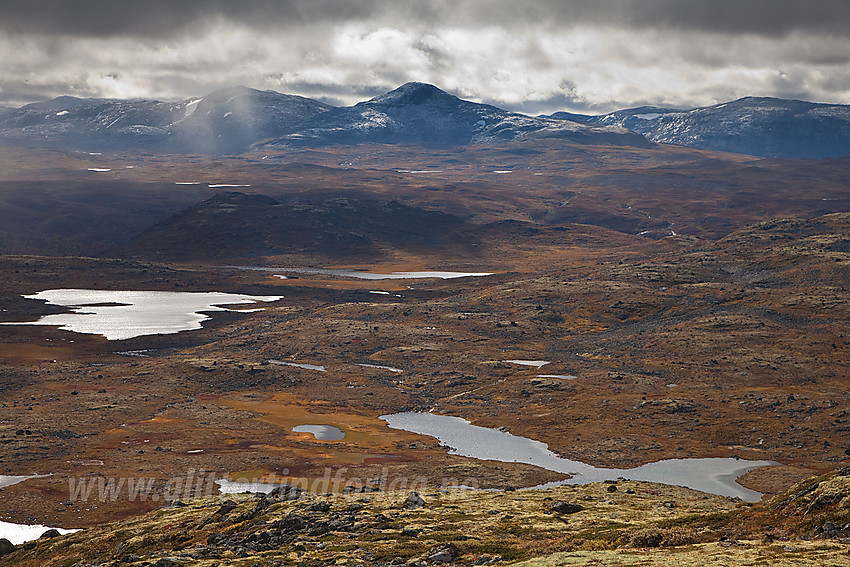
x,y
592,66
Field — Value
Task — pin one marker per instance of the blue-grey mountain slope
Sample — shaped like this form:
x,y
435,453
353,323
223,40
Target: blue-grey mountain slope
x,y
226,121
758,126
419,113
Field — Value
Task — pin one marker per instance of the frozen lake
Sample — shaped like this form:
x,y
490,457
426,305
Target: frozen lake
x,y
390,276
379,367
324,432
713,475
536,363
9,480
22,533
119,315
226,486
316,367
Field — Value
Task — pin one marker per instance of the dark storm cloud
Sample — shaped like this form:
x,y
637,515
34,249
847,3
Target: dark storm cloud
x,y
528,55
159,18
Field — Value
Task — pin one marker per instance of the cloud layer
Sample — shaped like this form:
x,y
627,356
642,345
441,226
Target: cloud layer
x,y
534,56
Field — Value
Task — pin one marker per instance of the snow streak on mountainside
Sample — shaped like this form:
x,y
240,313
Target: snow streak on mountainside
x,y
418,113
236,119
226,121
768,127
232,120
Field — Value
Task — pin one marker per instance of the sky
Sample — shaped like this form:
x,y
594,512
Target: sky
x,y
533,56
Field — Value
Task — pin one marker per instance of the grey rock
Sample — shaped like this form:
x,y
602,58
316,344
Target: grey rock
x,y
227,507
321,506
566,508
413,501
445,554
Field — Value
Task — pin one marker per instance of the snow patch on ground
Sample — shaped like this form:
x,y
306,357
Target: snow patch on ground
x,y
535,363
648,116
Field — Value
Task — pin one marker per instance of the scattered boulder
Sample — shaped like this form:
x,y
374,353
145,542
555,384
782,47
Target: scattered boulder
x,y
284,492
52,532
444,554
413,501
648,537
321,506
566,507
669,405
226,507
291,524
824,500
6,547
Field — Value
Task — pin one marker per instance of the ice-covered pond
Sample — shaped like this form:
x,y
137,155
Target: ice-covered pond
x,y
535,363
324,432
22,533
9,480
119,315
713,475
317,367
383,276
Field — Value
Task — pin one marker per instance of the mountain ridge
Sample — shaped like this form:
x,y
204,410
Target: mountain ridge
x,y
233,120
760,126
225,121
237,119
419,113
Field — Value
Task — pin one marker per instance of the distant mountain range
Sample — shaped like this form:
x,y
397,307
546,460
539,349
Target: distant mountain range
x,y
237,119
418,113
234,120
226,121
758,126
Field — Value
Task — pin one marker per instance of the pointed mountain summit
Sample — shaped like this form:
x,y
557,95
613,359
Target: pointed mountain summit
x,y
414,93
419,113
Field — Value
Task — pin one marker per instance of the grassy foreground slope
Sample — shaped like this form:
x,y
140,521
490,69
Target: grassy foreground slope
x,y
622,523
